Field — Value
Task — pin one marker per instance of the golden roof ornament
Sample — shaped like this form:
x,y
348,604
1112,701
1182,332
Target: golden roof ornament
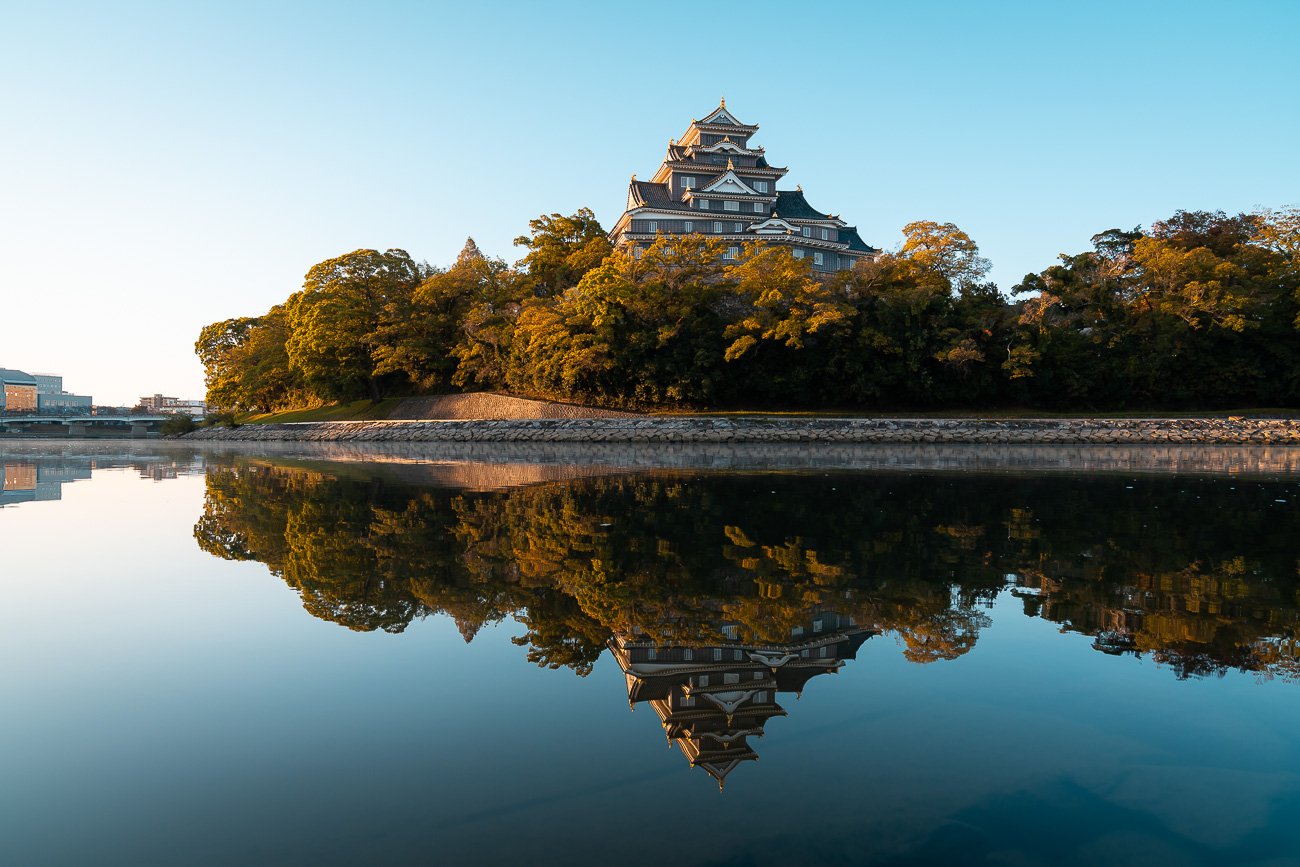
x,y
724,101
797,186
729,165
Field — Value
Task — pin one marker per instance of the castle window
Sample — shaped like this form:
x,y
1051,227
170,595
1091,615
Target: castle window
x,y
758,675
798,254
807,231
826,234
686,701
704,204
760,696
717,654
651,653
654,227
688,654
817,260
687,227
731,206
740,227
731,677
758,207
702,680
731,252
688,183
825,652
761,186
717,228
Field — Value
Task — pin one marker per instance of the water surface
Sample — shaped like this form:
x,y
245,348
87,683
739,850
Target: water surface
x,y
312,655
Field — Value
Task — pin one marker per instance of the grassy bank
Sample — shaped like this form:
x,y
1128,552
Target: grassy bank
x,y
357,410
365,410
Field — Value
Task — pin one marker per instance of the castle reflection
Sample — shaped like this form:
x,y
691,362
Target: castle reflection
x,y
712,699
718,594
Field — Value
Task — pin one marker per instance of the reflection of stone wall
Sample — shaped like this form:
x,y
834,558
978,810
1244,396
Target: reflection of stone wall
x,y
760,430
544,461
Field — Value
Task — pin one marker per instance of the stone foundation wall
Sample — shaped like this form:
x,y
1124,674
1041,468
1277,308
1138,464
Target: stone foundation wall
x,y
667,429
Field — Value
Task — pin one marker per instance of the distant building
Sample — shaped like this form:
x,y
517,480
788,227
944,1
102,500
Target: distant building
x,y
61,402
161,403
39,392
20,391
714,183
48,383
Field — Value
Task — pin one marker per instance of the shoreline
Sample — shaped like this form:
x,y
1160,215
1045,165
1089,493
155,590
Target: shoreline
x,y
667,429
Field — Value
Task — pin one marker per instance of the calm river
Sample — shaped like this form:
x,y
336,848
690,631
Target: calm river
x,y
621,655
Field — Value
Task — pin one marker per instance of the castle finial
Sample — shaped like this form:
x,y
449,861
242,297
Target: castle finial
x,y
798,187
729,165
634,176
724,100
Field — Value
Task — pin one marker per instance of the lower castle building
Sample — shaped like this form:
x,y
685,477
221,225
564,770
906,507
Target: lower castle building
x,y
713,183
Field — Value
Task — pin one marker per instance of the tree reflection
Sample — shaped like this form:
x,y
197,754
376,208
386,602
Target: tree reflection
x,y
1197,574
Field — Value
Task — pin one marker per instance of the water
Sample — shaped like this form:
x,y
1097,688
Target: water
x,y
318,655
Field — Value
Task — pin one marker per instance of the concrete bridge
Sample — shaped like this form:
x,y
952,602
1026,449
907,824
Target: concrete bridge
x,y
78,425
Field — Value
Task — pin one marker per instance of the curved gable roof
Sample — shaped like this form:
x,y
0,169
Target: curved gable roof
x,y
793,206
644,194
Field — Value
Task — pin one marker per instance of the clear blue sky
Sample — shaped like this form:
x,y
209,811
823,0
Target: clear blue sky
x,y
163,166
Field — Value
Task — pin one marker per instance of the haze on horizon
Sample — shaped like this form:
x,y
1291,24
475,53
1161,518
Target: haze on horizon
x,y
168,167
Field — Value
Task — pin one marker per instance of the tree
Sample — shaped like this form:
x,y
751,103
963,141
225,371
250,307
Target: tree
x,y
246,365
944,251
423,328
560,251
785,302
336,320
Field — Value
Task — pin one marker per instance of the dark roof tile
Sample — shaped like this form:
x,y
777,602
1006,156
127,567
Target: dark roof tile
x,y
791,205
855,241
648,195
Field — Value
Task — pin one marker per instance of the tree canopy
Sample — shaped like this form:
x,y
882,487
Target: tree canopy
x,y
1200,310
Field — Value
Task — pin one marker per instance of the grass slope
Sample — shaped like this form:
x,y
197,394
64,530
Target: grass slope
x,y
357,410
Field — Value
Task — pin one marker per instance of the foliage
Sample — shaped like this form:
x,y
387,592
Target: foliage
x,y
221,418
1197,311
1201,311
1198,577
560,251
177,424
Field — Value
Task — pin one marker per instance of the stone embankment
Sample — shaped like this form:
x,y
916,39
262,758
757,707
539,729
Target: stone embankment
x,y
669,429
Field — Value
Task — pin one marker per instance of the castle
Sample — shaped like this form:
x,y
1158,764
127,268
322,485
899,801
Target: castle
x,y
714,697
712,183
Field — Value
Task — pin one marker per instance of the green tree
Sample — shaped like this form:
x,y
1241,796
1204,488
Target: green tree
x,y
335,322
423,328
246,365
560,251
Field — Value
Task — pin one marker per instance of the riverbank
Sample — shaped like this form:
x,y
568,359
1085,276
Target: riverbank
x,y
660,429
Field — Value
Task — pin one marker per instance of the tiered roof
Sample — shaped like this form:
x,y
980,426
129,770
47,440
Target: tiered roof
x,y
693,171
711,707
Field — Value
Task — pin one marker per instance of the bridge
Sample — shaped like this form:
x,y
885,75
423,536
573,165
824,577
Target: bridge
x,y
78,425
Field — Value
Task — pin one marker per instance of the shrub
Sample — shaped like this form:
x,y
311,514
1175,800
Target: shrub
x,y
179,423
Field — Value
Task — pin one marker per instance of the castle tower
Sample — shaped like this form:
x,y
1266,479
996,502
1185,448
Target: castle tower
x,y
714,183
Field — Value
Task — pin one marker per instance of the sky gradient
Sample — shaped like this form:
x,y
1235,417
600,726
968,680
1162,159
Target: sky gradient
x,y
164,166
